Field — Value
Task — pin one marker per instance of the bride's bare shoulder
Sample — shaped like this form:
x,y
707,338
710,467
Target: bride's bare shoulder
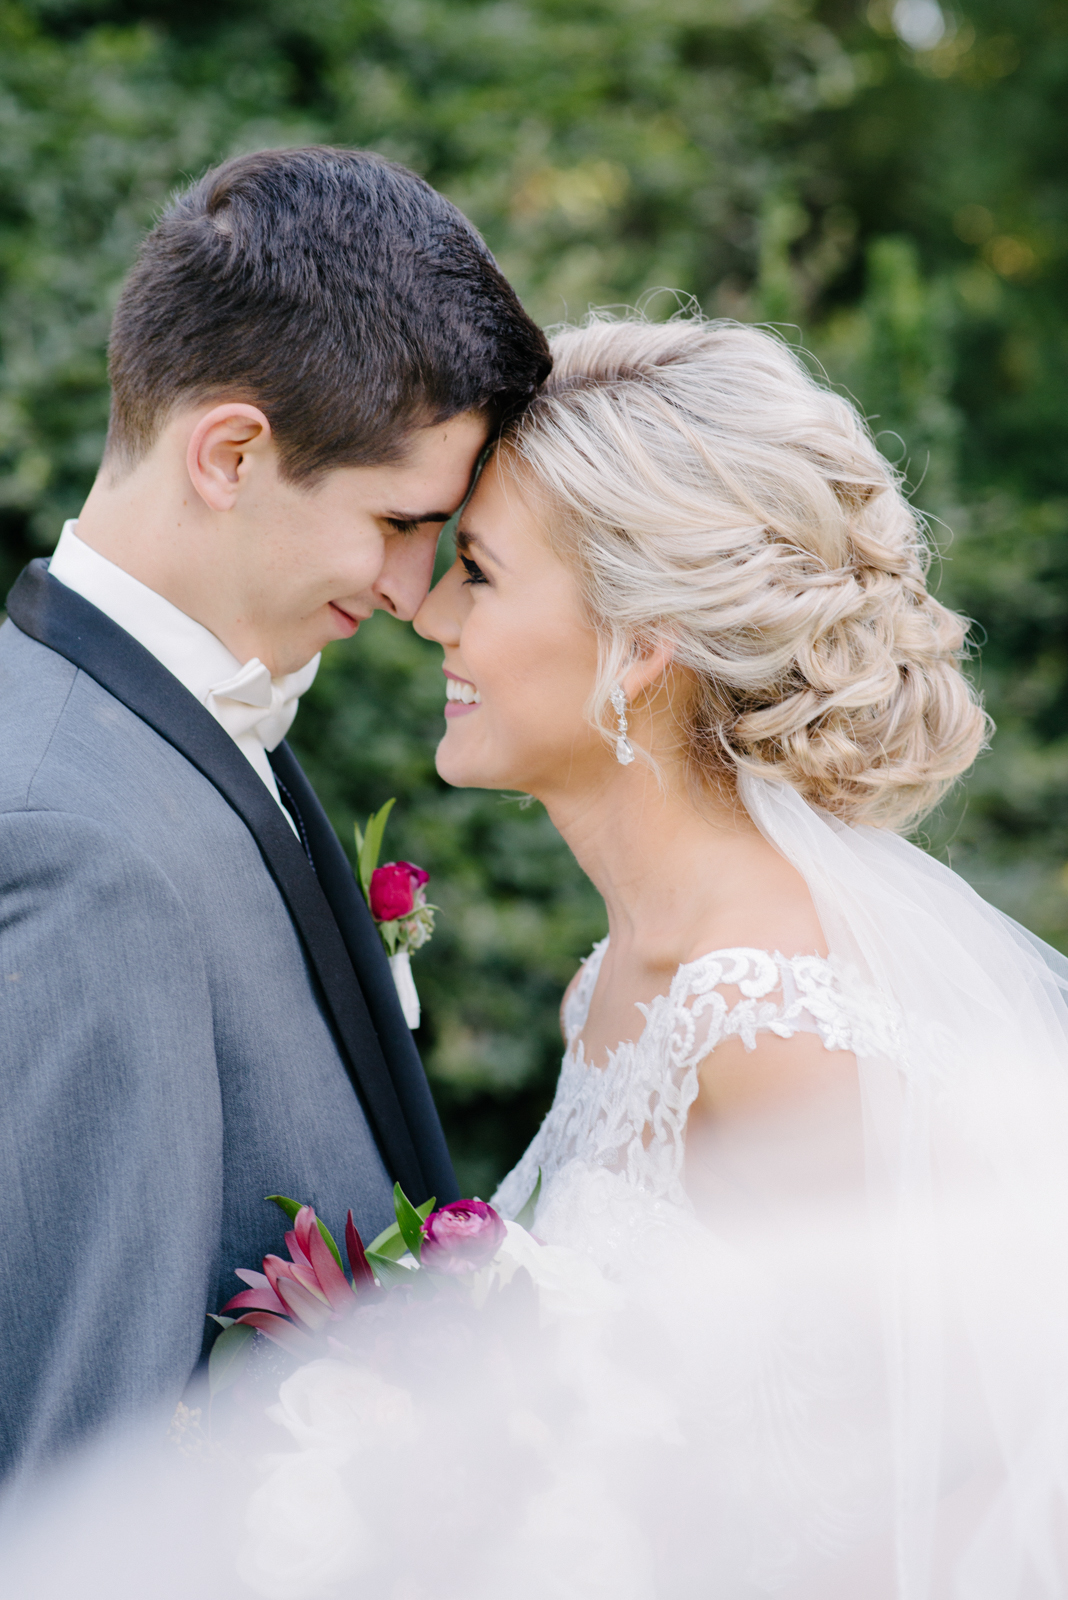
x,y
768,907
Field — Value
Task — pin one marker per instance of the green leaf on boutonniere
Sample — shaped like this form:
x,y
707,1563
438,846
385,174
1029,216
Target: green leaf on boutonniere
x,y
291,1207
369,846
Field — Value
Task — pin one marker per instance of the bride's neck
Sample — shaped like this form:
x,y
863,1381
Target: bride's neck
x,y
667,862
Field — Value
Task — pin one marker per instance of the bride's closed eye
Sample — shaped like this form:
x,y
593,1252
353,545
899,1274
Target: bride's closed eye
x,y
474,572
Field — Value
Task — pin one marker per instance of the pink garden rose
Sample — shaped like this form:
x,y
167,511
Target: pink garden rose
x,y
461,1237
394,890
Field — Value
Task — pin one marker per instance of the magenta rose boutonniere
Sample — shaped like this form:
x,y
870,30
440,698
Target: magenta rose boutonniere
x,y
396,895
397,890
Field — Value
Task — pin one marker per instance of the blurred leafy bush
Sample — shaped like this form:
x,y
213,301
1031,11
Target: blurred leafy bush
x,y
884,180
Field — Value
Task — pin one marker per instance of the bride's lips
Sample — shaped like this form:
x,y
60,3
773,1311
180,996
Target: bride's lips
x,y
460,708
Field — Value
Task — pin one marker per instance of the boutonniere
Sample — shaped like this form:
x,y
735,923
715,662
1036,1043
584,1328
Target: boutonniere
x,y
396,895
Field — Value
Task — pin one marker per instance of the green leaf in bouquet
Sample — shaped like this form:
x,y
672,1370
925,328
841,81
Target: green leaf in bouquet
x,y
228,1356
409,1221
291,1207
526,1215
390,1242
388,1271
369,846
283,1202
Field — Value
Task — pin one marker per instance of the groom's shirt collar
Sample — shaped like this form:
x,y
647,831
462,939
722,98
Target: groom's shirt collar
x,y
255,713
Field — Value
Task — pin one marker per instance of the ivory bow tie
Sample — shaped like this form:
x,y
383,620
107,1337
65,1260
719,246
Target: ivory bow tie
x,y
254,702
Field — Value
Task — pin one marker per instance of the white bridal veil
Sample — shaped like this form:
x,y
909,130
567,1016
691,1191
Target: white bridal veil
x,y
965,1112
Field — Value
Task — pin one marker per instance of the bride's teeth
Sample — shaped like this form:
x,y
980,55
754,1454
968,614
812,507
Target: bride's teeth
x,y
466,693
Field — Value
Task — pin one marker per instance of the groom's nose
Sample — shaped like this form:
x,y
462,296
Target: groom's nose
x,y
439,615
407,568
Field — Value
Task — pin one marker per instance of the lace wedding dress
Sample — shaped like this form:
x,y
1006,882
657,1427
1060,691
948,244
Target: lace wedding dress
x,y
888,1377
611,1151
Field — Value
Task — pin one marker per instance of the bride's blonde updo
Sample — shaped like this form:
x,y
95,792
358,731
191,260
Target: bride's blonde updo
x,y
710,492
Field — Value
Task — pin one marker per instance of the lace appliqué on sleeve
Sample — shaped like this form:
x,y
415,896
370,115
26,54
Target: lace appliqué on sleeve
x,y
629,1117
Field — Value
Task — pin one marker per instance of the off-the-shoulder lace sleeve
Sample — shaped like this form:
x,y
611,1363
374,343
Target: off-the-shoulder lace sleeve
x,y
629,1117
577,1003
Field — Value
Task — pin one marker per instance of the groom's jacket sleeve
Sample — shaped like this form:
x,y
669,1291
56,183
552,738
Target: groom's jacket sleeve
x,y
111,1134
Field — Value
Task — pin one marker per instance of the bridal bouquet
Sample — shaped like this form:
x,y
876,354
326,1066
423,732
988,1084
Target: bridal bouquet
x,y
302,1303
396,895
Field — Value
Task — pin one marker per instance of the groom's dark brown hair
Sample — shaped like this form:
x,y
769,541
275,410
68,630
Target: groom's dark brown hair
x,y
333,289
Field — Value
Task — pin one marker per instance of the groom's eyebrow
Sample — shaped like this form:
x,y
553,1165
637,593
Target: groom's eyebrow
x,y
409,519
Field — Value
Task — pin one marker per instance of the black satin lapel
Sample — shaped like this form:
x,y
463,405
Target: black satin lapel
x,y
56,616
369,959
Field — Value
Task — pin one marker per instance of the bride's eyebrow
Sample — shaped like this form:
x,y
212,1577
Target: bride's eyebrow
x,y
466,540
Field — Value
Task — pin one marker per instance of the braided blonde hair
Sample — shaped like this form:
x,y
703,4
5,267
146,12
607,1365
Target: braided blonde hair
x,y
711,493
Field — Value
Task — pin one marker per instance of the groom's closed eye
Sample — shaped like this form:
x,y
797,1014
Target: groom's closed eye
x,y
412,524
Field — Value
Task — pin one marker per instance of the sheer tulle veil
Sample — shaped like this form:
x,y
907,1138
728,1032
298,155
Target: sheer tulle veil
x,y
965,1106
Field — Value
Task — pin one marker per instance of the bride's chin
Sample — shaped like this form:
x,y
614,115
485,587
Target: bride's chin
x,y
458,771
465,771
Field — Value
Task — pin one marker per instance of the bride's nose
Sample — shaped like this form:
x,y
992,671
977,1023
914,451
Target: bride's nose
x,y
439,616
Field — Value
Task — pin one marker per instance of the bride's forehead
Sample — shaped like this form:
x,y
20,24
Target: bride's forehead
x,y
501,523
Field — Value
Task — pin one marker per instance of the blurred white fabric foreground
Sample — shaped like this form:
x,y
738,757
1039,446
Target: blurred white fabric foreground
x,y
480,1453
720,1421
837,1371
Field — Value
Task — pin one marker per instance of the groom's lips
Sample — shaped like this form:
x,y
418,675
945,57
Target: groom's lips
x,y
348,623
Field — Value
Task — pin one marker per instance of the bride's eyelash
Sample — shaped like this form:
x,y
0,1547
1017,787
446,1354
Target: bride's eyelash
x,y
474,572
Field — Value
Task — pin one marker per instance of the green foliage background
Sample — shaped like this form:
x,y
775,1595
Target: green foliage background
x,y
901,208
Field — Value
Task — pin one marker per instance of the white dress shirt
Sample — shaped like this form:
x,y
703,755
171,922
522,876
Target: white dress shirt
x,y
255,709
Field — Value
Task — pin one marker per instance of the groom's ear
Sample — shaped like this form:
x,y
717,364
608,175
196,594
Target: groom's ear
x,y
223,448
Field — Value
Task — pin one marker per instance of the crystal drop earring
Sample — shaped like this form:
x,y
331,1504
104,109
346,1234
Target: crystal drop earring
x,y
624,752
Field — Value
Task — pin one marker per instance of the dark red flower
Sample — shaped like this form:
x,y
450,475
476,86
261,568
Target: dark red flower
x,y
395,890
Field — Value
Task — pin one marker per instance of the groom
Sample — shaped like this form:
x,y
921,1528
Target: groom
x,y
195,1010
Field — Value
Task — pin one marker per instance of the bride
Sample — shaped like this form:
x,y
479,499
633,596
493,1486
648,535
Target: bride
x,y
689,615
688,582
808,1154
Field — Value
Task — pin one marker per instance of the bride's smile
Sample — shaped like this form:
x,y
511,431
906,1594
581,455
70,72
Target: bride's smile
x,y
461,697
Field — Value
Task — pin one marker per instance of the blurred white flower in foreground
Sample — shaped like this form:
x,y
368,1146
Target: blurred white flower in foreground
x,y
569,1284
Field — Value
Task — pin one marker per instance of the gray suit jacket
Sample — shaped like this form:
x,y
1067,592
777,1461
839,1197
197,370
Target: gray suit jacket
x,y
195,1012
